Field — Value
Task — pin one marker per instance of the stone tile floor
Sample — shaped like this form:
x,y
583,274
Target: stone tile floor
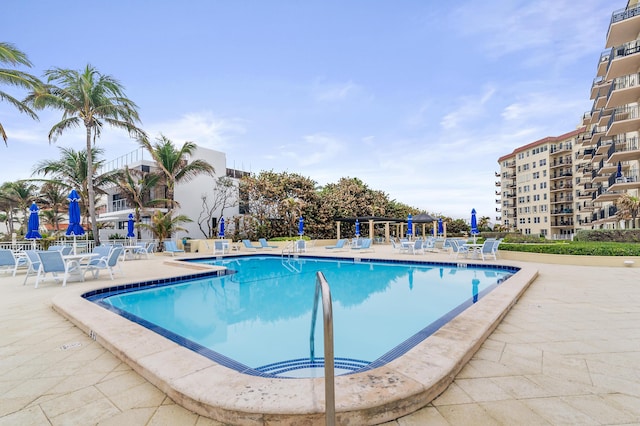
x,y
567,353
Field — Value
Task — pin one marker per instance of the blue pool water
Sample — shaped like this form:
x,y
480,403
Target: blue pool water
x,y
257,319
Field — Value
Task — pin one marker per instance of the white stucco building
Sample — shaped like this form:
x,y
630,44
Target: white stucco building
x,y
188,194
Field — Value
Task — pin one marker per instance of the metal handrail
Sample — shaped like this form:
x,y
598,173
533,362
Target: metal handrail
x,y
327,310
287,249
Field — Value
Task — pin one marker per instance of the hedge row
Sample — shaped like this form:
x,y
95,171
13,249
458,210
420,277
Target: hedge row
x,y
577,248
608,235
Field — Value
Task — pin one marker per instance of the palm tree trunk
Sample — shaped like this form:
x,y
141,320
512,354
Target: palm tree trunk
x,y
90,189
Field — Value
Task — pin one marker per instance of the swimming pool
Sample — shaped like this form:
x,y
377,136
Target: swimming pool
x,y
256,320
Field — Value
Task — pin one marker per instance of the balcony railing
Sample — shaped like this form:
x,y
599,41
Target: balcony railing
x,y
622,14
119,205
623,82
623,113
133,157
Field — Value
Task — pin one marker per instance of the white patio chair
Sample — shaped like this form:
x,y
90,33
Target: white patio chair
x,y
33,264
9,262
109,263
53,262
458,248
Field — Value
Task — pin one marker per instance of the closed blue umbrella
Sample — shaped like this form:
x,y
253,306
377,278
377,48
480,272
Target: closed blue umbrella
x,y
619,174
410,225
74,228
34,224
440,227
221,233
474,224
130,232
74,215
357,228
301,226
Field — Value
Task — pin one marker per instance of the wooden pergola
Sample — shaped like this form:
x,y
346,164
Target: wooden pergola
x,y
400,224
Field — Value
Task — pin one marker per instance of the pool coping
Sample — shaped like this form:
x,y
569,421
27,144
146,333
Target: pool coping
x,y
400,387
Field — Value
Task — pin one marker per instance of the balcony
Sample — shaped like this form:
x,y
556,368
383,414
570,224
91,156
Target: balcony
x,y
623,120
624,90
119,205
624,183
603,63
623,60
605,194
605,215
604,116
598,84
623,26
625,150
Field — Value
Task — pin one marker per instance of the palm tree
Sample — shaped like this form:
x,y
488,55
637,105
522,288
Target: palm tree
x,y
163,225
70,172
21,194
628,208
92,99
7,204
52,217
136,186
9,54
173,163
54,197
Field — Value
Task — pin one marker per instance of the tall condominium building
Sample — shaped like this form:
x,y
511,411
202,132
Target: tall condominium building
x,y
611,140
575,181
536,188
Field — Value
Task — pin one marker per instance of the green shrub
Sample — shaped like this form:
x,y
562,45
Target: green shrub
x,y
577,248
609,235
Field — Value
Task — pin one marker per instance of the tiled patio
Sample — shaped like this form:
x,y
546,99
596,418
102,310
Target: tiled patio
x,y
567,353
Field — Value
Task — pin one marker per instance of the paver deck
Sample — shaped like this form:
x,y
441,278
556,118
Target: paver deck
x,y
567,353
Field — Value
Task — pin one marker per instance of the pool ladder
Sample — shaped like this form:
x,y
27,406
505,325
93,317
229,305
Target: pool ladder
x,y
288,250
322,288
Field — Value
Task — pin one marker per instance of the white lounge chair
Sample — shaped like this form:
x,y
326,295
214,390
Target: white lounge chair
x,y
365,245
144,249
220,247
417,247
458,248
338,246
109,262
172,247
9,262
33,264
53,262
248,245
264,244
300,246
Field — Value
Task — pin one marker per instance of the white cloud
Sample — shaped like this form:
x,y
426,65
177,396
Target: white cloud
x,y
470,108
203,128
334,92
315,149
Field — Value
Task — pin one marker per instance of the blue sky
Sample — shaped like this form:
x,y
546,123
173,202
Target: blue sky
x,y
415,98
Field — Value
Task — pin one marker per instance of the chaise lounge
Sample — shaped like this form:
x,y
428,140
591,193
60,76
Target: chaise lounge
x,y
264,244
172,247
339,245
248,245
